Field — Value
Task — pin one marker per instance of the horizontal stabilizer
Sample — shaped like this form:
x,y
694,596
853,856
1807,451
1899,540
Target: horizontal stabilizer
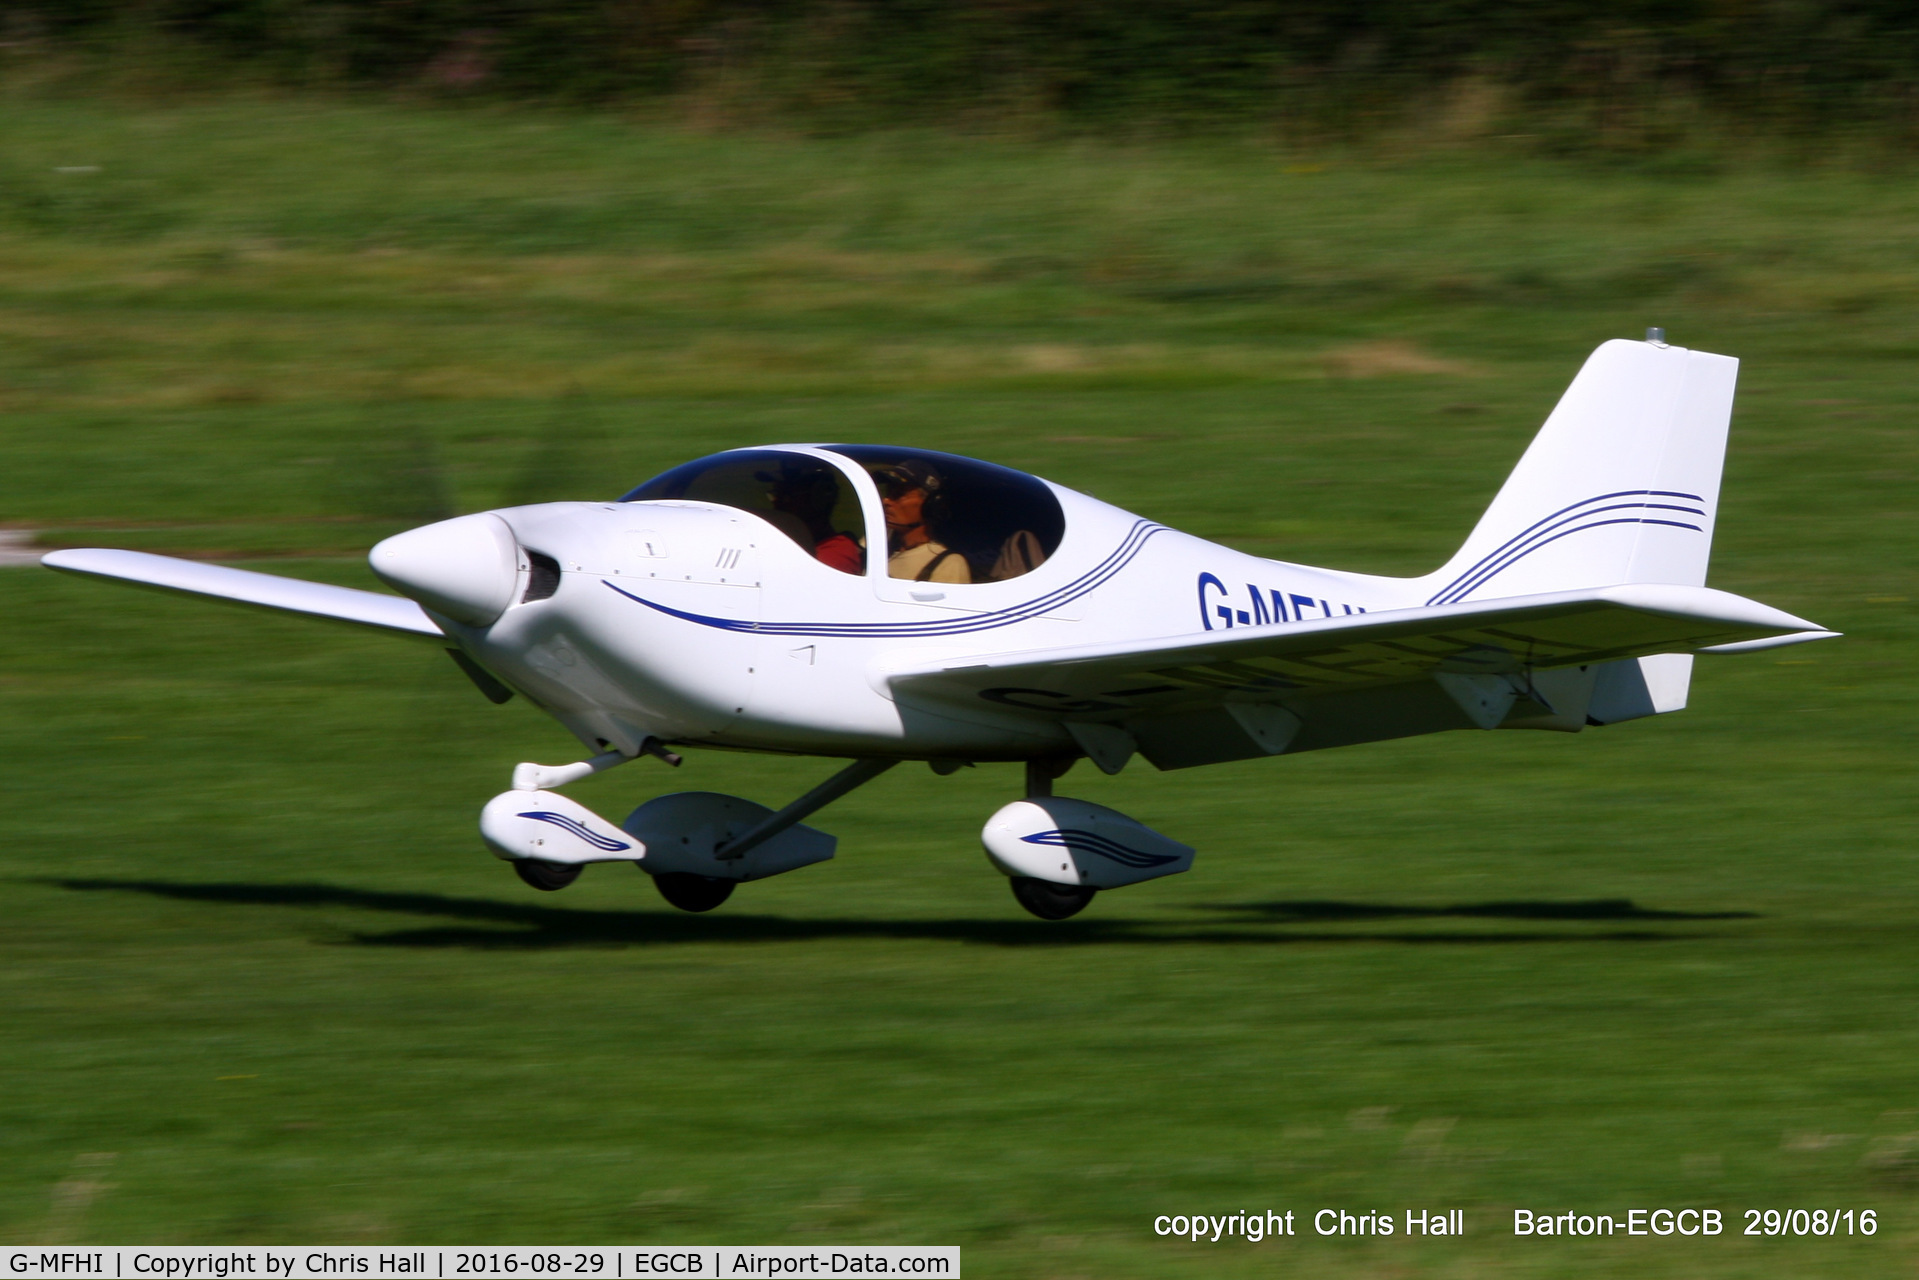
x,y
392,614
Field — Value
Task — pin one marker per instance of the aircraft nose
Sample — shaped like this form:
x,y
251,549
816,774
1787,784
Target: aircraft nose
x,y
467,568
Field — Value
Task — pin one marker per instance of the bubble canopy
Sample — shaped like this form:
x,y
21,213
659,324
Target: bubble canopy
x,y
947,519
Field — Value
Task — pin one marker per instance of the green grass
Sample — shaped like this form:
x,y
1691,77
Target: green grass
x,y
261,983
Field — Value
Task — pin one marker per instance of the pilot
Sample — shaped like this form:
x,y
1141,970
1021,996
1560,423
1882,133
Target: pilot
x,y
910,495
809,495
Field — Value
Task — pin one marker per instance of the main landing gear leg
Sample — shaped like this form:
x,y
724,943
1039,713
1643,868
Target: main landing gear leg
x,y
691,892
1041,773
853,776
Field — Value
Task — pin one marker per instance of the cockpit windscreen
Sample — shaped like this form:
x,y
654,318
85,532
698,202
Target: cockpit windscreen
x,y
953,519
804,498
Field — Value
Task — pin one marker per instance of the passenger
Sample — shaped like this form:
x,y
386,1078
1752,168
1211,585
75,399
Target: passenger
x,y
910,495
808,495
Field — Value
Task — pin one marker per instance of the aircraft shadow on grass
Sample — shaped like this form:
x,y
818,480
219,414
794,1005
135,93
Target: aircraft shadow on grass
x,y
488,924
1590,909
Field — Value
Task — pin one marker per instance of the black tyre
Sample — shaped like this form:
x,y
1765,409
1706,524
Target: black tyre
x,y
689,892
1051,901
546,876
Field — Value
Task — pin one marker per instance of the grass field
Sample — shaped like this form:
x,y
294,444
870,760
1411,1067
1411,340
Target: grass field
x,y
262,983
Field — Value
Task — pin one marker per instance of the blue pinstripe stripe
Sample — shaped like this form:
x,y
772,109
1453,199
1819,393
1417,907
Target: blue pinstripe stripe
x,y
1098,576
578,828
1541,533
1092,842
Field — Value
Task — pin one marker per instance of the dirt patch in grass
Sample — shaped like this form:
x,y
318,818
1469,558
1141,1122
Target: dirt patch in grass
x,y
1385,359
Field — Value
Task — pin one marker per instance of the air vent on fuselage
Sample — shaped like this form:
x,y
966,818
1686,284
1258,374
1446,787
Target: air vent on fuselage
x,y
543,576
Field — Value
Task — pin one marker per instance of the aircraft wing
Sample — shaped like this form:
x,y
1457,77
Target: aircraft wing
x,y
392,614
1345,656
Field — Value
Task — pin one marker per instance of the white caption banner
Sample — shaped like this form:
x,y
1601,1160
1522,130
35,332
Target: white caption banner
x,y
524,1262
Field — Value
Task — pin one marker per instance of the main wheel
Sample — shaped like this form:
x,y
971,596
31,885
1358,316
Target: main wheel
x,y
547,876
689,892
1051,901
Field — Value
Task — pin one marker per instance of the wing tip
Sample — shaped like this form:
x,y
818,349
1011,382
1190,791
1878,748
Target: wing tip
x,y
1774,642
1709,602
67,559
101,561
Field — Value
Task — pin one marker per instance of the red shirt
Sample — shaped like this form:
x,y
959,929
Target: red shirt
x,y
842,553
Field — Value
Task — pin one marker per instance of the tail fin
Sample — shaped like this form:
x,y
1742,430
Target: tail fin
x,y
1619,486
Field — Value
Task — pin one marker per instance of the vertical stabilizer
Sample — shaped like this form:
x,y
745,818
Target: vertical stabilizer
x,y
1620,485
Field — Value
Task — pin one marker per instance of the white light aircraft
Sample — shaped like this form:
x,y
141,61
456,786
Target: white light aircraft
x,y
885,604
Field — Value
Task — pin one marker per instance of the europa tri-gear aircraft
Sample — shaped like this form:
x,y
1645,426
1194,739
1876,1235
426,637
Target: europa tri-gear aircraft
x,y
883,604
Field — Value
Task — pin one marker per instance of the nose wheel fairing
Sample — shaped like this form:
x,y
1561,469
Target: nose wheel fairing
x,y
544,826
685,833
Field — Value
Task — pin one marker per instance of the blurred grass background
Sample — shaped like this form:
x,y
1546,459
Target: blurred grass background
x,y
263,984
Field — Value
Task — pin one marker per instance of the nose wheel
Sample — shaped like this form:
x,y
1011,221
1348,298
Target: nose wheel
x,y
546,876
1051,901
